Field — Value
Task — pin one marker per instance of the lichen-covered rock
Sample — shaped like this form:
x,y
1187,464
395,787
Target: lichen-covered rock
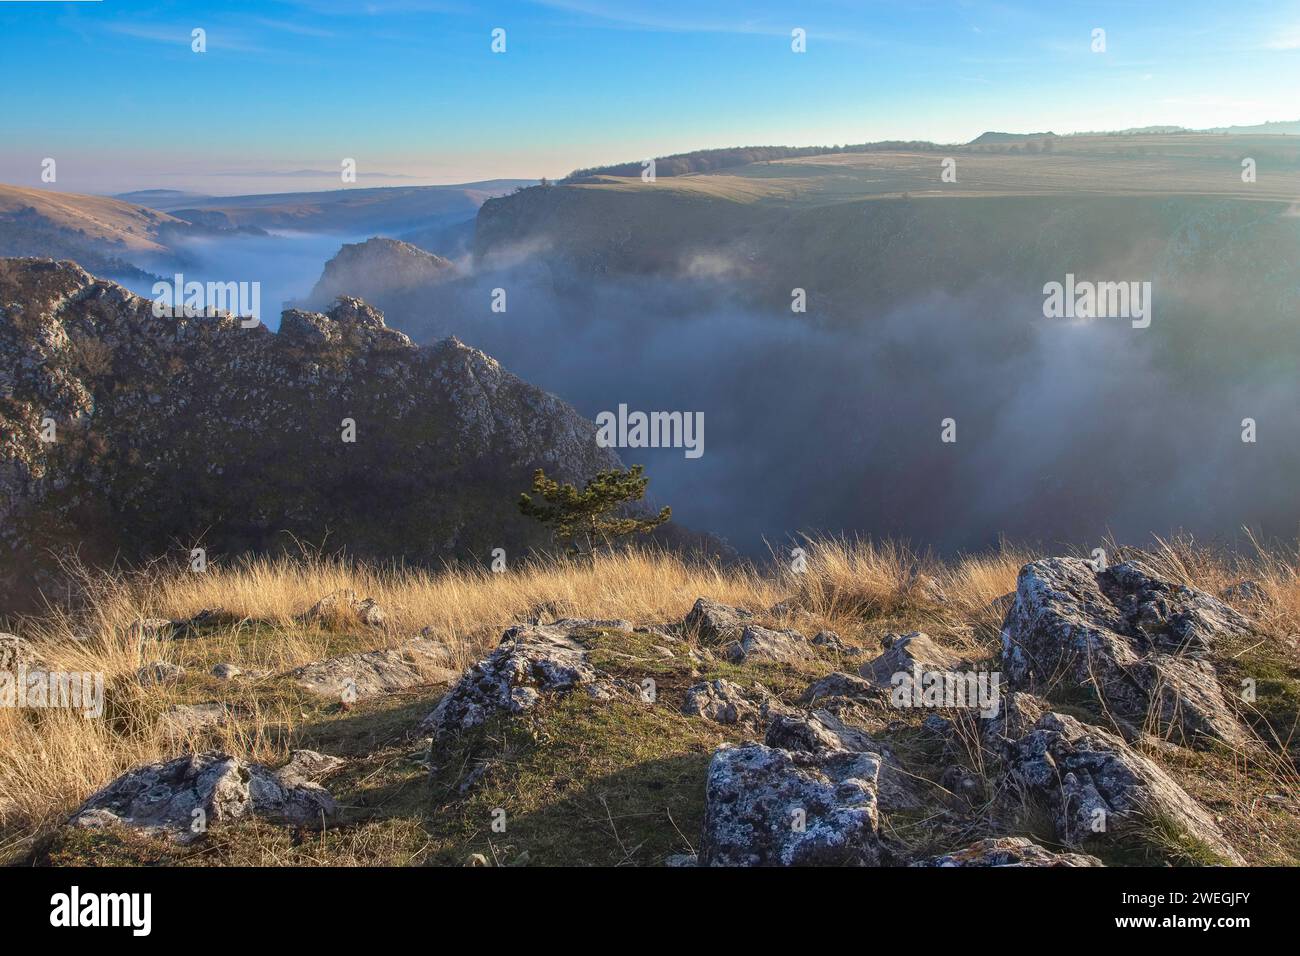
x,y
1094,783
307,766
226,671
344,607
723,702
353,677
196,428
181,720
1009,851
1142,644
1250,593
1015,718
839,684
830,641
771,807
905,653
185,796
787,647
715,623
820,731
158,673
531,661
16,652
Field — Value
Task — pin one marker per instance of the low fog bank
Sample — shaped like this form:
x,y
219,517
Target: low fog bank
x,y
1066,431
287,264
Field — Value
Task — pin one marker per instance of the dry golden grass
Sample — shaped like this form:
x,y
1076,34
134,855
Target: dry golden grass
x,y
50,760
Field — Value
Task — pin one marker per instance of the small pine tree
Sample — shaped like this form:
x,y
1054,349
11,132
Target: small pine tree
x,y
588,517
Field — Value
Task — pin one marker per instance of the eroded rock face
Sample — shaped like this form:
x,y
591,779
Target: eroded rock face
x,y
181,429
1093,782
1009,851
530,662
1141,642
354,677
771,807
379,267
204,790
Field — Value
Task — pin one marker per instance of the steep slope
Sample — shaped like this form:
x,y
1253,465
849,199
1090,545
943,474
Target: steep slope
x,y
101,233
377,267
175,432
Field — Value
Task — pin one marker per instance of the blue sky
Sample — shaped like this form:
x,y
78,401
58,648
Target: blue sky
x,y
413,92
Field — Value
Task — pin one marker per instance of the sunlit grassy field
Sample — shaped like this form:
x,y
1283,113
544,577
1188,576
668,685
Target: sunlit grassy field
x,y
52,760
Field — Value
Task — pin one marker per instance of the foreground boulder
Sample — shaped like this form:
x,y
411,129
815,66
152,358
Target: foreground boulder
x,y
821,731
841,686
906,653
1094,783
786,647
1140,642
770,807
16,652
185,796
715,623
354,677
530,662
343,608
723,702
1009,851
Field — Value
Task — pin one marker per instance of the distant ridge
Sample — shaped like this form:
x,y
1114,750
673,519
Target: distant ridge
x,y
984,139
708,160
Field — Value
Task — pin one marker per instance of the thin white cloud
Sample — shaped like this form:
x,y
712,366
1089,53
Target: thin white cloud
x,y
180,36
1285,39
622,17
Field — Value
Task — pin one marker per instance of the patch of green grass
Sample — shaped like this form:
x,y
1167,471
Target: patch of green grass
x,y
580,783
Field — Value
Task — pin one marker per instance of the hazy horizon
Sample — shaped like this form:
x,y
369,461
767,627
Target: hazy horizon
x,y
133,106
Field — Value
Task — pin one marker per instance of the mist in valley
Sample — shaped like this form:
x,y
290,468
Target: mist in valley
x,y
1067,432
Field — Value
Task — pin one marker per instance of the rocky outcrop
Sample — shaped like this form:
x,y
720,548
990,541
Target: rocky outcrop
x,y
354,677
184,720
715,623
820,731
1009,851
378,268
770,807
1142,643
185,796
904,654
344,607
158,673
198,431
531,662
1093,783
16,652
723,702
841,686
786,647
